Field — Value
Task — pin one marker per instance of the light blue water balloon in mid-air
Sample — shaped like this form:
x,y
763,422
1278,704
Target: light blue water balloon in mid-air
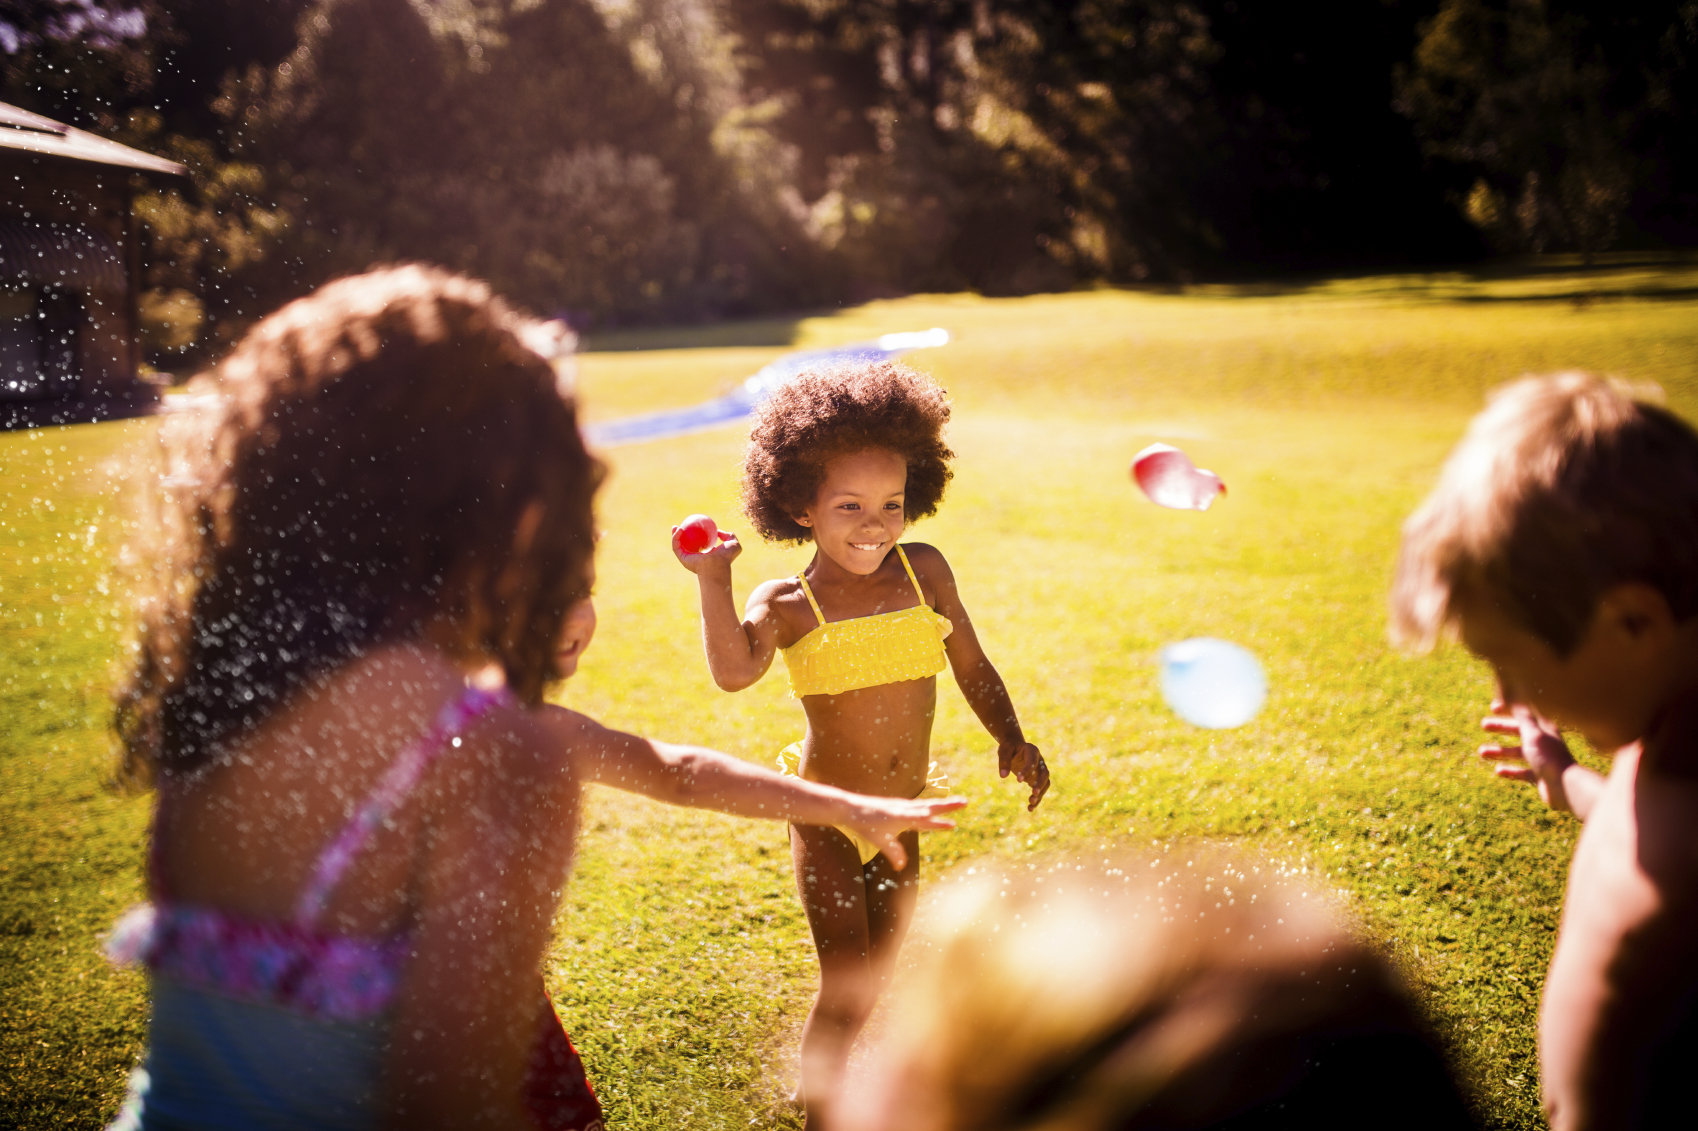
x,y
1212,683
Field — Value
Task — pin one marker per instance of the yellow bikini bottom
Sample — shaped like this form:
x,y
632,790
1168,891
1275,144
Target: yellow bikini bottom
x,y
937,785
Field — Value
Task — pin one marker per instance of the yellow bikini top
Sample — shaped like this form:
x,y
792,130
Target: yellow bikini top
x,y
844,655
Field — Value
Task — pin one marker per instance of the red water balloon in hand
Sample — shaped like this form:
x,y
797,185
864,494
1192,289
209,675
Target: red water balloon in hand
x,y
697,534
1170,479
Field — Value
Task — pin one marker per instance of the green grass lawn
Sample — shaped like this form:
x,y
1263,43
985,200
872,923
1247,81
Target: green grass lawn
x,y
682,961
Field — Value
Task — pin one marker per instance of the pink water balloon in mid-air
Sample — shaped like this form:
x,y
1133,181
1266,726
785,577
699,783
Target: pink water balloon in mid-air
x,y
1170,479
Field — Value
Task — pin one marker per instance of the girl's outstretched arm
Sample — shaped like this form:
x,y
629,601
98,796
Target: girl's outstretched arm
x,y
978,678
738,651
706,779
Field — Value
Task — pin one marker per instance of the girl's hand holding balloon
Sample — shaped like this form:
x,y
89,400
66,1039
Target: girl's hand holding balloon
x,y
698,540
696,534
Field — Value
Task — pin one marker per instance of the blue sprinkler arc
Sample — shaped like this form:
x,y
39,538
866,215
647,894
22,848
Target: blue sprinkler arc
x,y
741,401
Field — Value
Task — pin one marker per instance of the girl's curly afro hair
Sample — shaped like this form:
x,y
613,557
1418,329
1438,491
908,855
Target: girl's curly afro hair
x,y
828,412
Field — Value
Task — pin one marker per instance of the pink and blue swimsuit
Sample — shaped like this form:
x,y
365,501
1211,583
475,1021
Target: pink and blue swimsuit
x,y
263,1023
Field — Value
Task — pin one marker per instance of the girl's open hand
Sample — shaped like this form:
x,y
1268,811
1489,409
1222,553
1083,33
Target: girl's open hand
x,y
1542,752
1023,761
724,551
882,819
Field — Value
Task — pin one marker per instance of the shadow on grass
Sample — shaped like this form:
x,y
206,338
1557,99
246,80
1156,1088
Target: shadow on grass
x,y
1666,276
1653,275
1583,296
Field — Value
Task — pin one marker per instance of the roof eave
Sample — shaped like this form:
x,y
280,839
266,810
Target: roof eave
x,y
90,149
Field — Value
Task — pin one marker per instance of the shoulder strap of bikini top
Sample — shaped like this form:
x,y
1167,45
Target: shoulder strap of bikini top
x,y
810,594
911,578
397,782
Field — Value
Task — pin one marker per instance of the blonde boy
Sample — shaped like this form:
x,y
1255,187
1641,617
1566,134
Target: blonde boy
x,y
1561,544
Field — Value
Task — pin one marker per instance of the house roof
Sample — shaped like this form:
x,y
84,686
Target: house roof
x,y
20,129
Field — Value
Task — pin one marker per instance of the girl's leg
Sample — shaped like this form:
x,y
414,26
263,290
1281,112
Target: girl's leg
x,y
858,917
833,891
891,895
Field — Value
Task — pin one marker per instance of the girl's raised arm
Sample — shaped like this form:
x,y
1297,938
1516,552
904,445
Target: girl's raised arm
x,y
738,651
699,778
978,678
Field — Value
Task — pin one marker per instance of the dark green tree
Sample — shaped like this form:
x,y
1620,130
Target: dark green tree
x,y
1005,145
1572,117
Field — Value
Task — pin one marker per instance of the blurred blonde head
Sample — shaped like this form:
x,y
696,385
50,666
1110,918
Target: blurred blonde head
x,y
1563,487
1094,996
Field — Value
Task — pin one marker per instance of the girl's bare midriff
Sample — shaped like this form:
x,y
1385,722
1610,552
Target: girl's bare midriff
x,y
872,740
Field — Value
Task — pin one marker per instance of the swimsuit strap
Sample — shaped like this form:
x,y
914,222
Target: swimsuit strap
x,y
918,592
810,593
397,782
914,580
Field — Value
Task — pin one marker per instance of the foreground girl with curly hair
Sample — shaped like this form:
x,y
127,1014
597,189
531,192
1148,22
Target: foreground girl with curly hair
x,y
371,562
845,458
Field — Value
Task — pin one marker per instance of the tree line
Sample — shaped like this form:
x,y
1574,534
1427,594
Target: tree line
x,y
647,160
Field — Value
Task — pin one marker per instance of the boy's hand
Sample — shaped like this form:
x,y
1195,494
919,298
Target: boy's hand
x,y
1542,750
724,553
883,819
1027,765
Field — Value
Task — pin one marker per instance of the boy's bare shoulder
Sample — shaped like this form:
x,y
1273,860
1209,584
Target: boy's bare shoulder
x,y
1671,749
1665,803
1664,814
1635,867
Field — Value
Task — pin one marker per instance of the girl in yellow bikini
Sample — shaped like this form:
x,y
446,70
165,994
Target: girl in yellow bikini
x,y
845,458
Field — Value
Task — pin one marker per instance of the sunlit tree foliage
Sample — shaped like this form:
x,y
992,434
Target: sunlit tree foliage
x,y
620,160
